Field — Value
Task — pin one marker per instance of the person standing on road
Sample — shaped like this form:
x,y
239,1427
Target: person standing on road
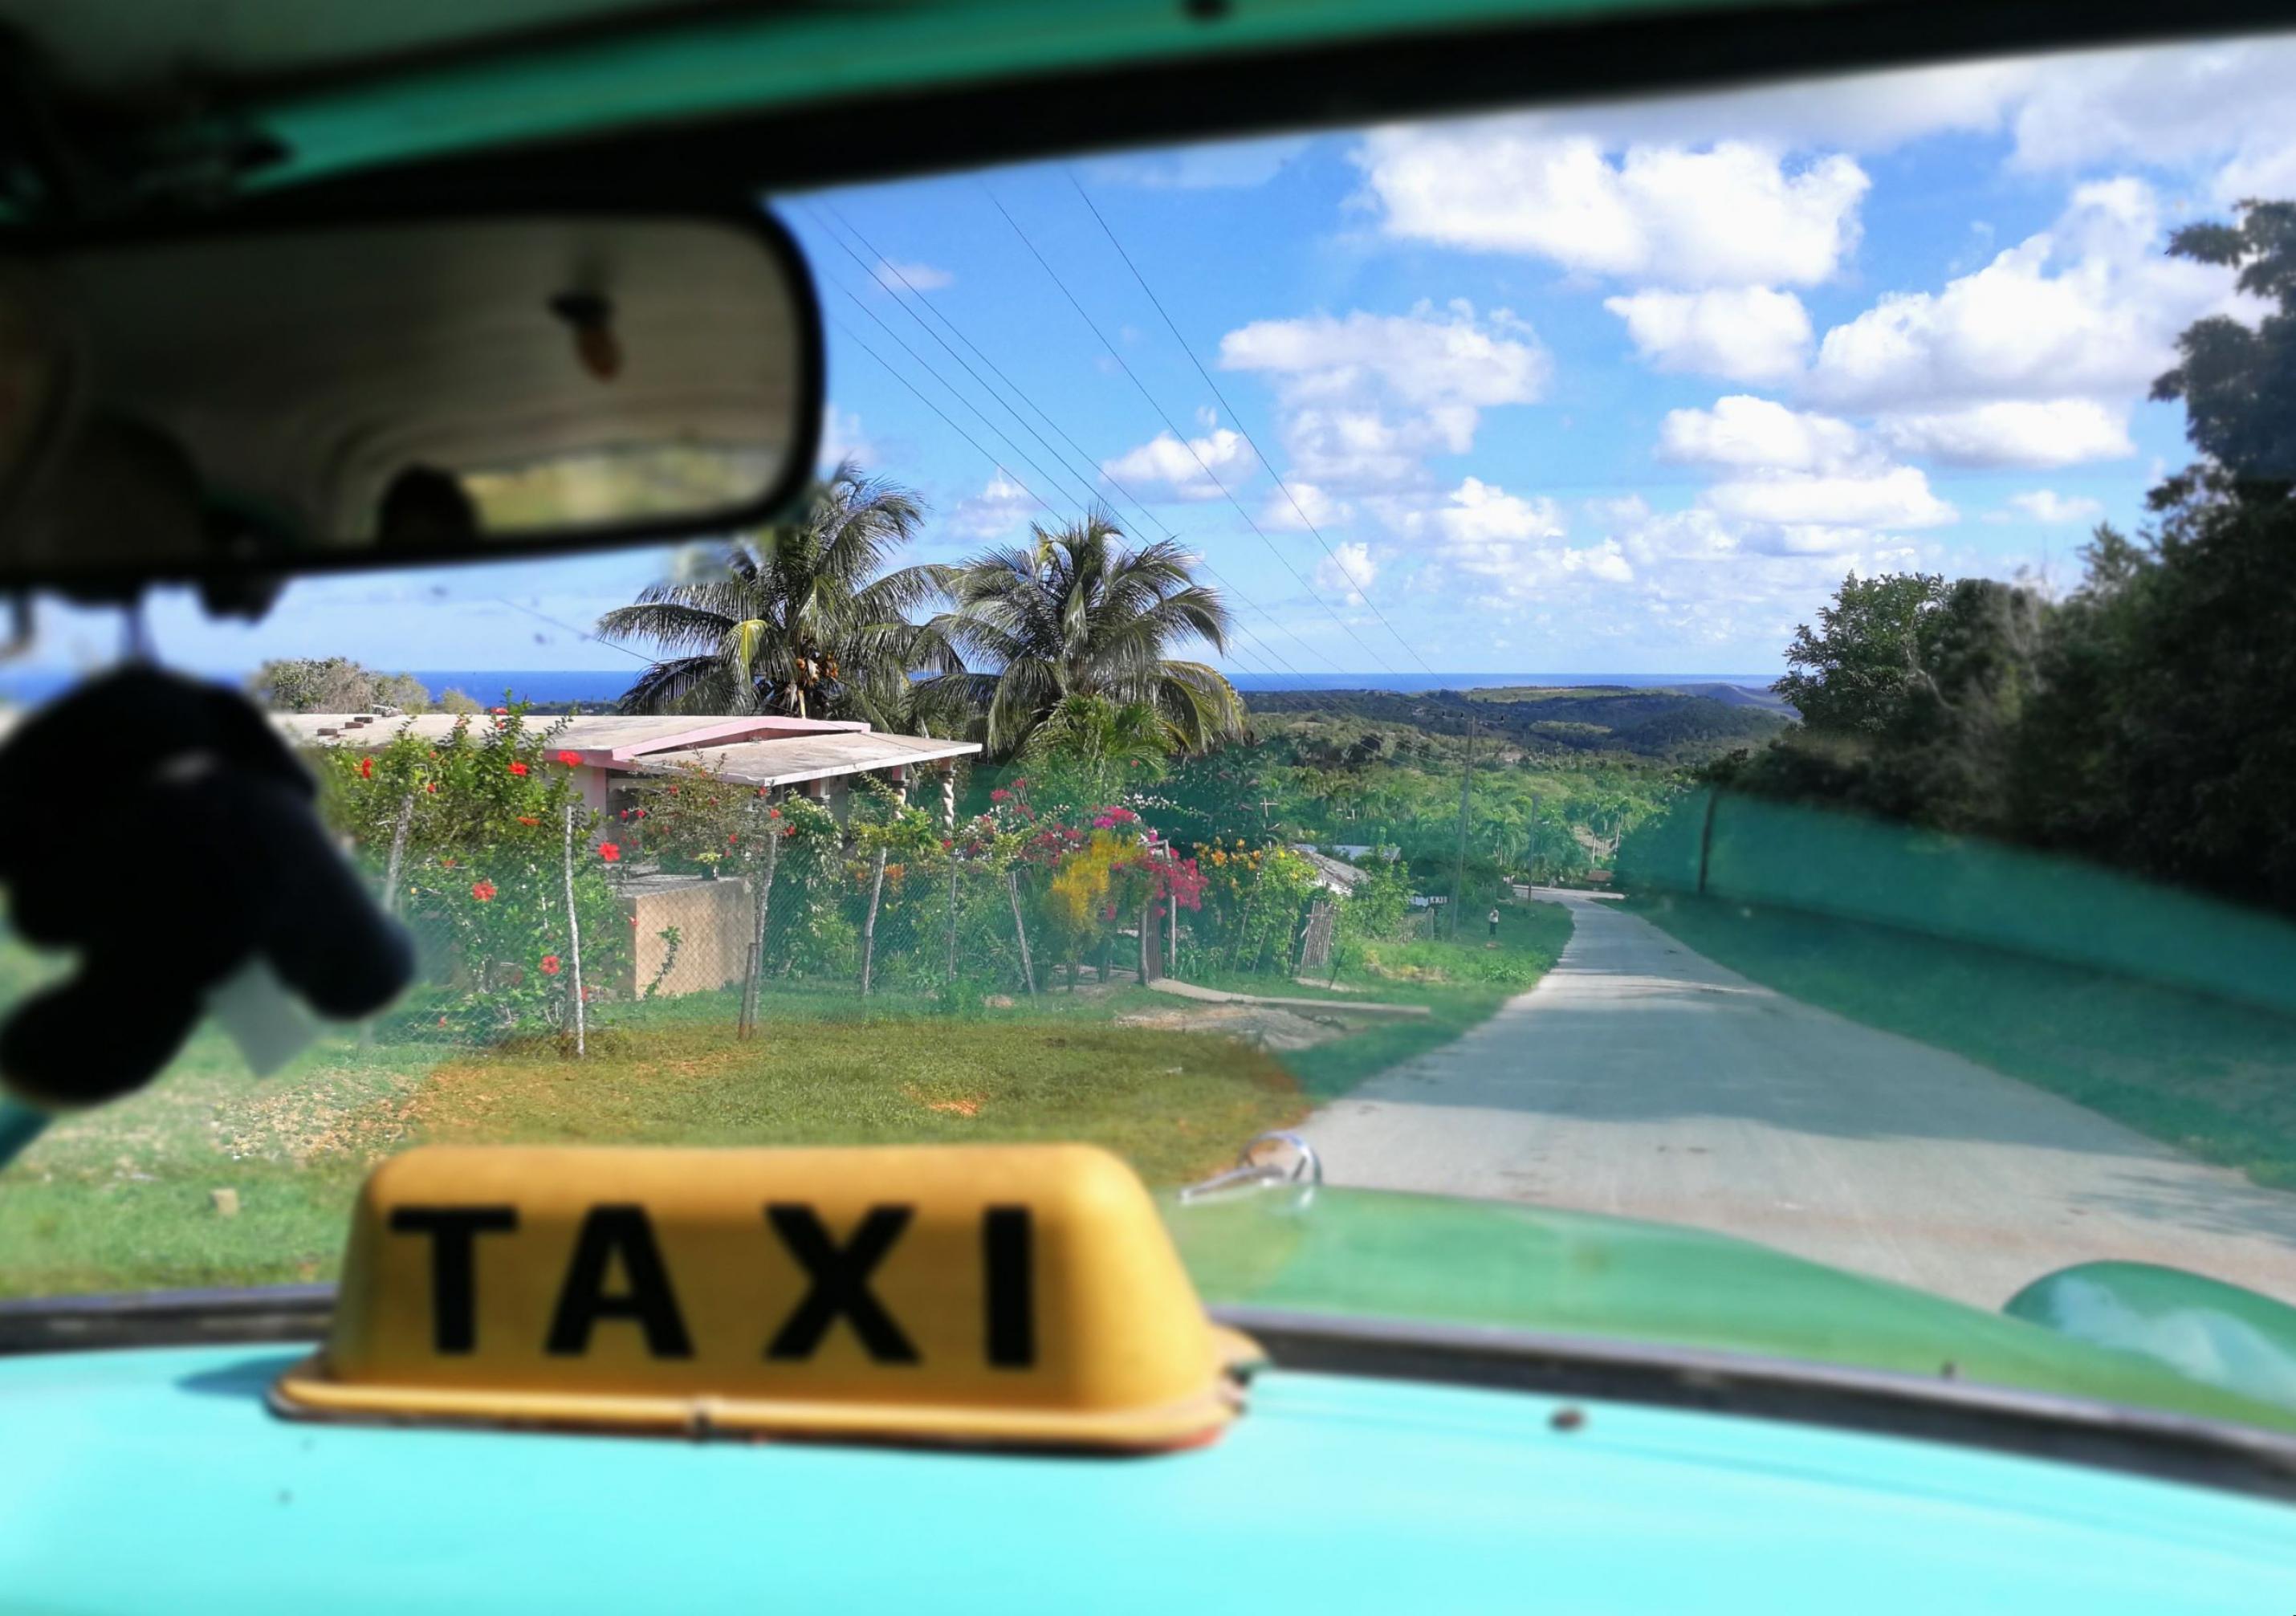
x,y
1494,922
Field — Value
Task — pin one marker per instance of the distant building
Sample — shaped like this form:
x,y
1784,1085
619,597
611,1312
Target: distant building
x,y
815,757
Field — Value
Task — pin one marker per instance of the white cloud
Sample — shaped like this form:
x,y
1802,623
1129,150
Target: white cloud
x,y
2041,434
843,438
1895,497
1305,504
1797,482
1734,214
2048,505
1749,433
1362,399
1748,333
1164,466
1002,505
1482,537
1348,571
2089,309
919,277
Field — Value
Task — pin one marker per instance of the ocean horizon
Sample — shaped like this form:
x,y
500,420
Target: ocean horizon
x,y
604,686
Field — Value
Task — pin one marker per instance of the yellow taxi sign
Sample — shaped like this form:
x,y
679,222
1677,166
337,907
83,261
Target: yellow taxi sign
x,y
1023,1294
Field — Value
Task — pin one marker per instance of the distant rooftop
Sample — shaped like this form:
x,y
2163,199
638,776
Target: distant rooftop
x,y
757,751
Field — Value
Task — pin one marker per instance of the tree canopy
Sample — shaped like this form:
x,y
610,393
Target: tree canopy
x,y
803,618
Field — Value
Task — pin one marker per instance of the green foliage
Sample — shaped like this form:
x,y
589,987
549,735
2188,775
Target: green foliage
x,y
802,618
1090,751
2142,721
2238,383
1075,612
333,685
1851,674
483,871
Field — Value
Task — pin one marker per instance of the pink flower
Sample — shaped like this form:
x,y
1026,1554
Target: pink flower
x,y
550,965
1000,795
497,710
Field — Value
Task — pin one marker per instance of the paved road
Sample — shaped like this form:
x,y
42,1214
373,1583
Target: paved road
x,y
1641,1079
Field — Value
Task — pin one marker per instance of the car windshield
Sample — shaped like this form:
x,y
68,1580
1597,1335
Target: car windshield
x,y
1721,661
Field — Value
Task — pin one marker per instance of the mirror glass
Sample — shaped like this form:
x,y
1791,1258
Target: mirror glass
x,y
435,388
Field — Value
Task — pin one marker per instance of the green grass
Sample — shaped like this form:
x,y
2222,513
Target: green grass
x,y
2213,1079
119,1199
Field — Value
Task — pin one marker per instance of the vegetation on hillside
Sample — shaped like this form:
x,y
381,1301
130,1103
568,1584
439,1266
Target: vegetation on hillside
x,y
2141,722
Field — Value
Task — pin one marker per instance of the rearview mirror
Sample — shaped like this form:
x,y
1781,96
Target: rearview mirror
x,y
287,399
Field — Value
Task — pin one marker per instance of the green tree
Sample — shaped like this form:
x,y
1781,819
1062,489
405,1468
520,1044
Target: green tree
x,y
1090,751
1077,613
802,618
1851,674
333,685
2239,384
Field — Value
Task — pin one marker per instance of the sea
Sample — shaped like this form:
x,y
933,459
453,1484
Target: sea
x,y
601,688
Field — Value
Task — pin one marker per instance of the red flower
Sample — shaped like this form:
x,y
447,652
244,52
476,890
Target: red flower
x,y
1000,795
641,813
550,965
433,788
442,1020
497,709
483,890
366,768
571,759
528,819
609,851
588,993
446,863
519,770
732,838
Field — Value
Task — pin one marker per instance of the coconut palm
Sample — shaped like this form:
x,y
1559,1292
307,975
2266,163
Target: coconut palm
x,y
801,619
1075,612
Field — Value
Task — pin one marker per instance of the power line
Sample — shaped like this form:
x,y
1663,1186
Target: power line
x,y
979,448
1049,479
1083,454
1176,431
580,633
1234,416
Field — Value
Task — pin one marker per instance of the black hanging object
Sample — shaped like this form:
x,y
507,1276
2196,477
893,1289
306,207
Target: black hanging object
x,y
160,826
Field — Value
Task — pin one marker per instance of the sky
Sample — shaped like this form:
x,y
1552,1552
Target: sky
x,y
1627,387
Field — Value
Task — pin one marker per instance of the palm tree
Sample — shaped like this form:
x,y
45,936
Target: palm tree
x,y
1077,613
800,619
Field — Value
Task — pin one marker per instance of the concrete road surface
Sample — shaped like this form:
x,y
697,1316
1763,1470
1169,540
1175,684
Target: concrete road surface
x,y
1644,1080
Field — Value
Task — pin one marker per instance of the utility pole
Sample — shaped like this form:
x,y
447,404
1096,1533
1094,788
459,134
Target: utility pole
x,y
1459,873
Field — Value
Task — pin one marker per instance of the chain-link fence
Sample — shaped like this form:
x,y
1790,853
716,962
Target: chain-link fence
x,y
549,898
605,935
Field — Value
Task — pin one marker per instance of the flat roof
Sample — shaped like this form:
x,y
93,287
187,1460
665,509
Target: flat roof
x,y
758,750
793,760
605,739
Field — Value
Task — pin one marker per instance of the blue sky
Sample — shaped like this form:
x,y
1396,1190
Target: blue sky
x,y
1625,389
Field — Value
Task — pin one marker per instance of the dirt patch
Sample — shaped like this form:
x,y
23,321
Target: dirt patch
x,y
1261,1026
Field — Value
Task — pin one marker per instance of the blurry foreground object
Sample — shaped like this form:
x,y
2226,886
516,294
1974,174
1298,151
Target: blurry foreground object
x,y
202,860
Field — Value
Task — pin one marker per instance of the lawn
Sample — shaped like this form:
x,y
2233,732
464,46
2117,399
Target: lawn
x,y
2213,1079
124,1198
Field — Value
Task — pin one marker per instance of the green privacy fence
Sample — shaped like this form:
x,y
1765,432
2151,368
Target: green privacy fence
x,y
1788,855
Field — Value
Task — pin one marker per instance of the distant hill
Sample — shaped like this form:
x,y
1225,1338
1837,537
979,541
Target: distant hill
x,y
1684,725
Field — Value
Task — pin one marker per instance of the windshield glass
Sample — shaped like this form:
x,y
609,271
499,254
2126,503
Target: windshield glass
x,y
1721,661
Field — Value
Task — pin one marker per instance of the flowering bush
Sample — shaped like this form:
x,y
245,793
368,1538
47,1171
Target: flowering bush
x,y
479,819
